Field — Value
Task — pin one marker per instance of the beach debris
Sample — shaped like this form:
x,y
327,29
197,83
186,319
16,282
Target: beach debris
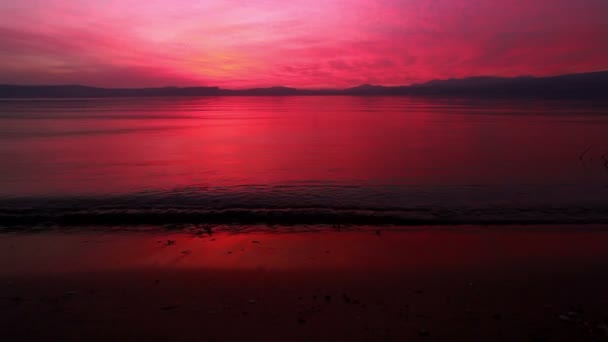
x,y
255,241
170,242
176,226
156,282
169,307
301,321
204,228
328,298
538,338
378,232
582,156
424,332
346,298
252,301
17,299
186,252
574,316
209,229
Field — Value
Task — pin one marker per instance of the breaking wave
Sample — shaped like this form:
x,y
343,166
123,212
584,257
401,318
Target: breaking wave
x,y
290,206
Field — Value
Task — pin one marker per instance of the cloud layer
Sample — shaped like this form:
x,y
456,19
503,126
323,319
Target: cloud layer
x,y
312,44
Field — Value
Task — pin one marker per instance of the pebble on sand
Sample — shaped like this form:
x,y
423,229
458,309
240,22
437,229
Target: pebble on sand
x,y
424,332
169,307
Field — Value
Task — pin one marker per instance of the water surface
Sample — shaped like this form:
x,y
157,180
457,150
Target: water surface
x,y
302,160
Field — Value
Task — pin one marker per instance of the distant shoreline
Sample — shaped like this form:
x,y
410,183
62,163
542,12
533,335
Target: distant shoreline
x,y
593,85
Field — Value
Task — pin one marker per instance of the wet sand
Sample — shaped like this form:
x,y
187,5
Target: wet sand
x,y
416,284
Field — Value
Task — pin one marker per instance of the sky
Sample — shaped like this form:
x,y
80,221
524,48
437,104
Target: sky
x,y
297,43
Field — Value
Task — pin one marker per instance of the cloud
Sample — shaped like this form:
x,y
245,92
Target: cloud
x,y
332,43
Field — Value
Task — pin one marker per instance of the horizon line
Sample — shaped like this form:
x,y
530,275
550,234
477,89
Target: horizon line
x,y
306,89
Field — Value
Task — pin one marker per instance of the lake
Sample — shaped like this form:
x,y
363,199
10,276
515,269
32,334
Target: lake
x,y
302,160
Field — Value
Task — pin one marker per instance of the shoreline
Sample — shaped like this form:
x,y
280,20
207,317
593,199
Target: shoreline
x,y
464,283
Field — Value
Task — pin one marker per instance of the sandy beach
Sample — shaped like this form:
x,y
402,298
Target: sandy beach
x,y
418,284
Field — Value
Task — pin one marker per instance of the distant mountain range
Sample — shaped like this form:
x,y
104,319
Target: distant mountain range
x,y
584,85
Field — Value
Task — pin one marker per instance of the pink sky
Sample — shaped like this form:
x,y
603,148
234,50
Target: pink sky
x,y
300,43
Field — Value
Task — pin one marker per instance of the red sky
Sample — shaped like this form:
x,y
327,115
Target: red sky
x,y
300,43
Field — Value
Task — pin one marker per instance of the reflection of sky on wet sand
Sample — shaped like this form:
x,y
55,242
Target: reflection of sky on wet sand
x,y
363,251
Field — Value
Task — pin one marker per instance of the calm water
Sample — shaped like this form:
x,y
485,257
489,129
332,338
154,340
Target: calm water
x,y
302,160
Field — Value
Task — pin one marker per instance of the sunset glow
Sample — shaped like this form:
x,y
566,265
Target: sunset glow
x,y
307,44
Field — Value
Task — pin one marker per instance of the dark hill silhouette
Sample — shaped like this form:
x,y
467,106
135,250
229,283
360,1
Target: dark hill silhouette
x,y
17,91
264,91
585,85
570,86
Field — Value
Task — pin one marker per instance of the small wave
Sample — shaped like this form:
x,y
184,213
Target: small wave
x,y
304,204
53,217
